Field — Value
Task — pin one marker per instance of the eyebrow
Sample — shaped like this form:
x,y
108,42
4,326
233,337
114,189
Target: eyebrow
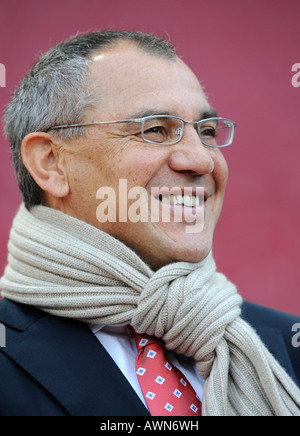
x,y
211,113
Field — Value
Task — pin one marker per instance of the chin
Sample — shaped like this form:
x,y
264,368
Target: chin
x,y
193,255
172,244
192,250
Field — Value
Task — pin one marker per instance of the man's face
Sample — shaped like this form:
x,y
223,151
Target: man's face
x,y
131,83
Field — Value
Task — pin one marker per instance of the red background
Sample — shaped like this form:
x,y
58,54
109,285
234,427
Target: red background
x,y
243,52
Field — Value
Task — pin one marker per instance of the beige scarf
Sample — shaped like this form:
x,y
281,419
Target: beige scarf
x,y
68,268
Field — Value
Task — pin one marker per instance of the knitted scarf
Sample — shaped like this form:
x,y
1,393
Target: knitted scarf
x,y
69,268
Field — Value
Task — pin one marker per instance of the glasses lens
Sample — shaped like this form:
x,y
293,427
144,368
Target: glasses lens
x,y
216,132
162,129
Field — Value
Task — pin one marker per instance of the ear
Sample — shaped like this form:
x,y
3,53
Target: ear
x,y
41,157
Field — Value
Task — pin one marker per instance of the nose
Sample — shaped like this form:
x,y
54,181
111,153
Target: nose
x,y
190,155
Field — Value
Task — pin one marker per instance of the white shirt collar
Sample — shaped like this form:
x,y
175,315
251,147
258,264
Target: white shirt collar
x,y
114,329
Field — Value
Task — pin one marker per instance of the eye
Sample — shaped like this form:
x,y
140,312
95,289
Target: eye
x,y
156,130
210,132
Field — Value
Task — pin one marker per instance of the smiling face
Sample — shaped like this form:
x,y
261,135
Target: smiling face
x,y
131,83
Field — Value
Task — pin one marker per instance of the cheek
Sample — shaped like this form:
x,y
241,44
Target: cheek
x,y
220,172
81,170
137,165
104,162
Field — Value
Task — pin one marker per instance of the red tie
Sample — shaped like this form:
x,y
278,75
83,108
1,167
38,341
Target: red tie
x,y
166,390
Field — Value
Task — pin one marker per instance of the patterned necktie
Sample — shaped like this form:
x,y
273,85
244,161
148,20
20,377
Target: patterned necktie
x,y
166,390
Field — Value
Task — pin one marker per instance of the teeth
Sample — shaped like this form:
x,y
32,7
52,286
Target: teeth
x,y
179,199
172,199
185,200
195,201
165,200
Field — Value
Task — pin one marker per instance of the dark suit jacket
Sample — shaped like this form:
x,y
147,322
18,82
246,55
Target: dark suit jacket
x,y
56,366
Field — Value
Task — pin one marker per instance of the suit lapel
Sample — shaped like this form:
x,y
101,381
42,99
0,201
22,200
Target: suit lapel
x,y
67,359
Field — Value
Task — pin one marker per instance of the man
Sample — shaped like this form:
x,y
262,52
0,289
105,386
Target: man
x,y
117,117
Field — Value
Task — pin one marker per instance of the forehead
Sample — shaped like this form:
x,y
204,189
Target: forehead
x,y
128,81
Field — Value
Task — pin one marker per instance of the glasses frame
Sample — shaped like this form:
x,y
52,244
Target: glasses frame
x,y
142,120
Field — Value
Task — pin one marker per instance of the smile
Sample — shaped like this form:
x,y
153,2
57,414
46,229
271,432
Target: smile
x,y
178,205
182,200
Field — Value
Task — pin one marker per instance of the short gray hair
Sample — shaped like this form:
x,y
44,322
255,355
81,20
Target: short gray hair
x,y
56,91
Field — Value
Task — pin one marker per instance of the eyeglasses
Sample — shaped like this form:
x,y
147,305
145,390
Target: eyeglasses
x,y
168,130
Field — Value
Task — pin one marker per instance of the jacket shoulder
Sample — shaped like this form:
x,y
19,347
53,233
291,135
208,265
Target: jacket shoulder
x,y
257,314
277,330
16,315
56,366
17,385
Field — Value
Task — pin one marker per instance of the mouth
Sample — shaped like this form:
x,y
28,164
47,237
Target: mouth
x,y
182,200
180,205
186,197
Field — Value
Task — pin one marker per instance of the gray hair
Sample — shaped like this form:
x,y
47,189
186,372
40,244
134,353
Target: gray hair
x,y
56,91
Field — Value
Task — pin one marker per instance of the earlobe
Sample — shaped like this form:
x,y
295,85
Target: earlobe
x,y
41,157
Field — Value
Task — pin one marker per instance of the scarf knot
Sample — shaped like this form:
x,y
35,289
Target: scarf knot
x,y
189,306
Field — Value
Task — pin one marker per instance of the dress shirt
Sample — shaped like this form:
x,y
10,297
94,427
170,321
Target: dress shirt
x,y
122,348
